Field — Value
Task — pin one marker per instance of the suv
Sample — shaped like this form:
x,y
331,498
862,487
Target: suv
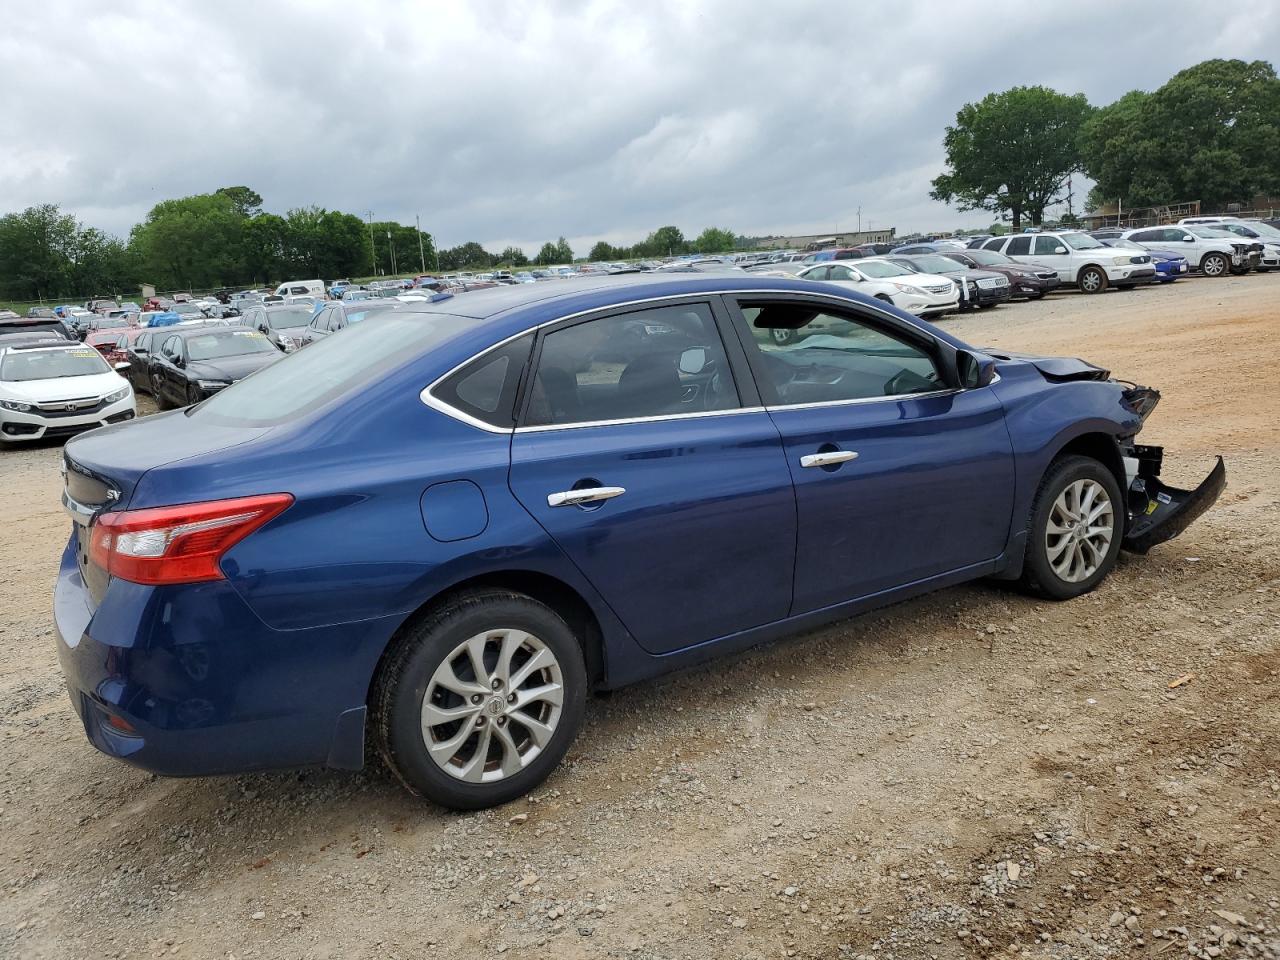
x,y
1263,236
1213,252
1079,259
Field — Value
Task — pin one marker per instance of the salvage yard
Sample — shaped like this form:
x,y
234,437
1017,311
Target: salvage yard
x,y
969,774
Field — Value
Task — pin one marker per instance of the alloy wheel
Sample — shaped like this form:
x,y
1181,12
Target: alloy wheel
x,y
492,705
1079,532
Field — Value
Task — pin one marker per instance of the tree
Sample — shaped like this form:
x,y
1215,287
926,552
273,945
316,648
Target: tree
x,y
602,251
1211,133
1011,152
36,248
195,242
513,256
714,240
468,256
248,202
663,242
564,253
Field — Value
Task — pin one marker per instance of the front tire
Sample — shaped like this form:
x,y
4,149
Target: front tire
x,y
479,701
1215,265
1077,522
1092,280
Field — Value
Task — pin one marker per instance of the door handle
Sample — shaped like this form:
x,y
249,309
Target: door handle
x,y
828,458
569,498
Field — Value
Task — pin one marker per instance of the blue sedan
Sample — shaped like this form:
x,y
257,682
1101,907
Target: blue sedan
x,y
1169,264
446,525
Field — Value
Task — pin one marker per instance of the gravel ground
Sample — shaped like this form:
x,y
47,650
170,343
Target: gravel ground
x,y
969,774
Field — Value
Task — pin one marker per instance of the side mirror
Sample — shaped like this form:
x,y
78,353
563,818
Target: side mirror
x,y
1059,250
693,360
122,366
974,370
1188,238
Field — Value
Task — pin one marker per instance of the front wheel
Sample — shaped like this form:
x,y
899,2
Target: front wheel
x,y
157,391
1092,280
1077,522
1215,265
480,700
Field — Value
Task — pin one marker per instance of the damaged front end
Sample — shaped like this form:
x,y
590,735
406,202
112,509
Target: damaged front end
x,y
1157,512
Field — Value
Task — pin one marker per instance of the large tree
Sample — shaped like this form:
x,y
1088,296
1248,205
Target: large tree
x,y
1211,133
714,240
1011,152
192,242
36,248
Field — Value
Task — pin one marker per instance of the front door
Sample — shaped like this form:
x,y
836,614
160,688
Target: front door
x,y
660,480
899,477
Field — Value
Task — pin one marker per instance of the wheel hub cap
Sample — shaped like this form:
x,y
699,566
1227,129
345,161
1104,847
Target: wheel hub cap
x,y
492,705
1080,529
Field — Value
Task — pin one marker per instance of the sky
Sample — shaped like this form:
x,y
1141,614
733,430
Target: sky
x,y
518,122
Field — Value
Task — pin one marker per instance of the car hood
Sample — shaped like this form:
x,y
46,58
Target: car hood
x,y
231,368
1056,369
921,279
63,388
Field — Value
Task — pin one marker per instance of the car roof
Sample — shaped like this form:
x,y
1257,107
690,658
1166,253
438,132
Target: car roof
x,y
203,328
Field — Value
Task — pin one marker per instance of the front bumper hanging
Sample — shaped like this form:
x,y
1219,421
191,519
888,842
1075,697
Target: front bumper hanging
x,y
1157,512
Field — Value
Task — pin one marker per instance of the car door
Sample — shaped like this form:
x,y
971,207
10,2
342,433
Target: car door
x,y
899,477
166,370
1052,252
138,356
643,451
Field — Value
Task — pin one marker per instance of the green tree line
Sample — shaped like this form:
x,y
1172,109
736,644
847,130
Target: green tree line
x,y
1211,133
667,242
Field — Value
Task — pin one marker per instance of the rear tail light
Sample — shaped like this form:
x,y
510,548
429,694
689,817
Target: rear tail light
x,y
181,544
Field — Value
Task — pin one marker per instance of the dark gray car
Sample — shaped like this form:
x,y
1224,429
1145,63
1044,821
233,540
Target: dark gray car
x,y
282,323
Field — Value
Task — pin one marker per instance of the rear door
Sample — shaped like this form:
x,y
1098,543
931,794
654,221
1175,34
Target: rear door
x,y
899,477
643,451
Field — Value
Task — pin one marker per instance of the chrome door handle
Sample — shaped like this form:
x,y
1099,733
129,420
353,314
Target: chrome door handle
x,y
827,459
568,498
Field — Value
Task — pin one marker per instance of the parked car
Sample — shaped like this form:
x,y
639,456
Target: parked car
x,y
41,313
978,288
283,324
425,533
54,388
1108,233
1264,239
936,246
1030,280
1079,259
338,287
1169,264
107,343
192,363
916,293
138,355
1214,253
301,288
36,325
335,317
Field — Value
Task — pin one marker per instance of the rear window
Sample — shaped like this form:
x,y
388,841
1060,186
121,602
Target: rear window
x,y
329,368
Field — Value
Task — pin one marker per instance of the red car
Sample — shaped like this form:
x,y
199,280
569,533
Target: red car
x,y
112,344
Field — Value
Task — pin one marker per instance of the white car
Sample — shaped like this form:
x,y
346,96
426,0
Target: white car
x,y
922,294
50,389
1079,259
1255,231
1214,252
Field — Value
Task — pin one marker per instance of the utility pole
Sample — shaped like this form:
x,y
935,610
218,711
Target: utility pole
x,y
392,246
417,221
373,250
859,220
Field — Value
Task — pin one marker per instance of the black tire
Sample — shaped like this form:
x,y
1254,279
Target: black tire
x,y
1038,575
401,686
162,401
1215,265
1092,280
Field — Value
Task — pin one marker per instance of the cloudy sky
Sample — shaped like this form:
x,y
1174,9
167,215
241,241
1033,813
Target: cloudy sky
x,y
514,122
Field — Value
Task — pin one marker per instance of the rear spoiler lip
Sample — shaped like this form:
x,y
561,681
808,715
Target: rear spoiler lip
x,y
1179,511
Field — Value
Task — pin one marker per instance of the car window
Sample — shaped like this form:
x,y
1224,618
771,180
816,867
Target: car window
x,y
1045,246
172,348
810,355
647,363
817,273
995,243
486,387
1173,235
1019,247
840,273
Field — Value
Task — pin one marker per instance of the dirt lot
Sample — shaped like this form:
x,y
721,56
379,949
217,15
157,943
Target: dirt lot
x,y
969,774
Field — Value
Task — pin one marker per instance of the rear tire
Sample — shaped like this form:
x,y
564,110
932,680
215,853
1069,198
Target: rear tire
x,y
484,748
1215,265
1092,280
1077,523
157,391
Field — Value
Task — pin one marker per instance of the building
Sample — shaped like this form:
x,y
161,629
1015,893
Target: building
x,y
818,241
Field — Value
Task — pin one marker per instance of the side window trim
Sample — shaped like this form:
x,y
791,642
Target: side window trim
x,y
887,324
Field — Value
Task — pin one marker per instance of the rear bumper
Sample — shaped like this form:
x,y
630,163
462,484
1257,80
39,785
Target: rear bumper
x,y
187,681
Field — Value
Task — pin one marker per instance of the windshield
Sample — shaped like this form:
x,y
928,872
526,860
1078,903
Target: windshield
x,y
1122,244
881,269
988,258
331,367
187,310
1081,241
935,263
218,344
1209,233
283,317
51,364
1265,230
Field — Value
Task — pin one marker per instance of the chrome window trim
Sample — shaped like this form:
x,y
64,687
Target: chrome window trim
x,y
432,401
